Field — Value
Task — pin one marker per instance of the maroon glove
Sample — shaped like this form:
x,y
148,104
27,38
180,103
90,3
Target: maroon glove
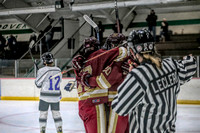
x,y
133,63
125,68
84,79
128,65
77,62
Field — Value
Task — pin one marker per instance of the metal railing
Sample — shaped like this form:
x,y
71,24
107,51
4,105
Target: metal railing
x,y
19,68
40,39
30,71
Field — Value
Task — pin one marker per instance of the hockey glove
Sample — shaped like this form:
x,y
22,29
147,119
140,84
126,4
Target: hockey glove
x,y
125,67
69,86
128,65
132,64
77,62
84,79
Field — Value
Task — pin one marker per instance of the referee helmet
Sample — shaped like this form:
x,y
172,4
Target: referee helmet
x,y
141,41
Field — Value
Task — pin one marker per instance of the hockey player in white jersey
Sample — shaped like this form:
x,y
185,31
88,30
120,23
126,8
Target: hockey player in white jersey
x,y
50,94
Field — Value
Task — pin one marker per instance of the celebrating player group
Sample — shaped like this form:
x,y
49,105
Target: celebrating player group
x,y
127,87
123,86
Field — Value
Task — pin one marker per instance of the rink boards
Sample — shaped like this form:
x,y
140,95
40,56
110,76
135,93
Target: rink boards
x,y
25,89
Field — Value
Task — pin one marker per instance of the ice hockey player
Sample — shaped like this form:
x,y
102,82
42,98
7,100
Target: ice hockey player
x,y
50,94
93,82
117,40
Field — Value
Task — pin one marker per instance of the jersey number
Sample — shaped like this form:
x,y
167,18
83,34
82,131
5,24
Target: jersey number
x,y
56,85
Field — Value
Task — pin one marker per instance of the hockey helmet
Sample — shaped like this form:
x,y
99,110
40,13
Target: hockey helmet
x,y
77,62
47,58
114,40
141,41
90,44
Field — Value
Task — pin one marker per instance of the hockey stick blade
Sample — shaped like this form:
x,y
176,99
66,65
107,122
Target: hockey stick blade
x,y
33,59
91,22
70,85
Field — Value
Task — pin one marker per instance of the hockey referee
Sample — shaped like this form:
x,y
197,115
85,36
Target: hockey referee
x,y
149,92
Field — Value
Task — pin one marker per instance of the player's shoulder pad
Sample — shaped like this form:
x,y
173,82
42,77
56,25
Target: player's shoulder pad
x,y
122,54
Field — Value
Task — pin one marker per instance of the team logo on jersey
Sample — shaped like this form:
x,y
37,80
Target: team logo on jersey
x,y
96,100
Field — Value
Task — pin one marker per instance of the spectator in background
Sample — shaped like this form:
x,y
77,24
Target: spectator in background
x,y
164,33
101,30
32,40
151,21
2,45
48,37
12,43
41,39
198,40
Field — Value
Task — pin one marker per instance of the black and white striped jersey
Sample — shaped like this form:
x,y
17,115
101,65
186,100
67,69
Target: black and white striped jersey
x,y
50,87
149,94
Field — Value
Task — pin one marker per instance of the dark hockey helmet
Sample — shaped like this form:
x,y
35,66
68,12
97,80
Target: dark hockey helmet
x,y
114,40
78,62
47,58
141,41
90,44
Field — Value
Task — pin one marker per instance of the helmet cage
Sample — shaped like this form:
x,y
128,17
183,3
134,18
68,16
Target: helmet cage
x,y
47,58
90,45
91,42
114,40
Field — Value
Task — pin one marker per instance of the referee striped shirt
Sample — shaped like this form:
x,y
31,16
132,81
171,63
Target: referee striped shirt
x,y
149,94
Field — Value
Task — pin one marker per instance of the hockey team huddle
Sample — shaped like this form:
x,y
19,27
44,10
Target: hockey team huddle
x,y
124,86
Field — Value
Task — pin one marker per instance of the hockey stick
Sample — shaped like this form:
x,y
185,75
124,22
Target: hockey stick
x,y
83,62
117,17
89,60
65,71
93,24
70,85
30,46
105,52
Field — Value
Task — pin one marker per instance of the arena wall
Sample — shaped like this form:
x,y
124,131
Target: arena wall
x,y
25,89
179,23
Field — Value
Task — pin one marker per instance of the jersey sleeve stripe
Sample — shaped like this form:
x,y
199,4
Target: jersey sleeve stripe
x,y
102,82
122,54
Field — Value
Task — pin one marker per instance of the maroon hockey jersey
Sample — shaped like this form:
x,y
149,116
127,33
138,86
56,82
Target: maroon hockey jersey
x,y
106,74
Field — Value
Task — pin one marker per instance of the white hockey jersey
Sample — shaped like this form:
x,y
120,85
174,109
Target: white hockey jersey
x,y
50,87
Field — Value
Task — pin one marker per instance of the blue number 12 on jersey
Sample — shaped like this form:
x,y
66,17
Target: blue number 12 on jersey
x,y
57,80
